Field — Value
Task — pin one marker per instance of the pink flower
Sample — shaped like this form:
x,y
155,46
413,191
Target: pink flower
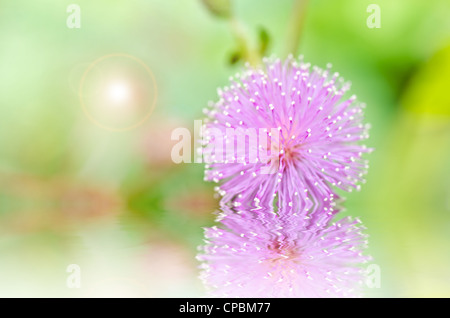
x,y
286,254
317,145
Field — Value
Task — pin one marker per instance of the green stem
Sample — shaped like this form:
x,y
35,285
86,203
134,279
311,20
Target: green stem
x,y
249,54
295,26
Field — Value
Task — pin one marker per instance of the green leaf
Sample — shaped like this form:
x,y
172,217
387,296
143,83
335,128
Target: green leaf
x,y
235,57
264,40
428,91
219,8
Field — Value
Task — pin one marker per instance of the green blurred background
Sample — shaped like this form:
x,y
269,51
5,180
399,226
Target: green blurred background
x,y
113,202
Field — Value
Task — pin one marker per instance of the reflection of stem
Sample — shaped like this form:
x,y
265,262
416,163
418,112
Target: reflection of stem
x,y
295,26
249,54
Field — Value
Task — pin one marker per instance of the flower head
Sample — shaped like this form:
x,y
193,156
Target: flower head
x,y
292,254
304,132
